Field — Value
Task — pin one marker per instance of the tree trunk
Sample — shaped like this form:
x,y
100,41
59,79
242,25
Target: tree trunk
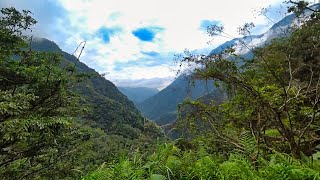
x,y
295,150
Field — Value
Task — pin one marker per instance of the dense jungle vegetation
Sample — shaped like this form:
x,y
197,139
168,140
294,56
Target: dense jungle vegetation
x,y
58,118
54,120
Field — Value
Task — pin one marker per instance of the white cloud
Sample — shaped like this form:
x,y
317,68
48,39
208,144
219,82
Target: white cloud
x,y
180,20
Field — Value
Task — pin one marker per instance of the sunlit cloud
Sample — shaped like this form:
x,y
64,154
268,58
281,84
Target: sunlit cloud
x,y
134,41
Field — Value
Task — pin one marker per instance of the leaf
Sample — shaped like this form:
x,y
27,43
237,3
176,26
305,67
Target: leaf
x,y
157,177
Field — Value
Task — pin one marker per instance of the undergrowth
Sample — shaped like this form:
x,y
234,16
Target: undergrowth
x,y
169,162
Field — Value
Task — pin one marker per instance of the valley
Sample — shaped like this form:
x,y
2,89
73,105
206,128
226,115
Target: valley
x,y
247,109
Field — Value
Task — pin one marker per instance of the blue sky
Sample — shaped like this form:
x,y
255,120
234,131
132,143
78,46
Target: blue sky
x,y
146,33
134,41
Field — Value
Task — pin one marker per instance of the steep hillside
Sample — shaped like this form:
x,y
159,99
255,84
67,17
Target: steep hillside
x,y
162,107
138,94
110,109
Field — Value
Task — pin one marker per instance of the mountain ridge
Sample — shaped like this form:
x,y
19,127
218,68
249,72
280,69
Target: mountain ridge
x,y
172,99
138,94
110,109
164,104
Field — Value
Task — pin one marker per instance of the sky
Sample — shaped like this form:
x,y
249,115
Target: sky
x,y
134,41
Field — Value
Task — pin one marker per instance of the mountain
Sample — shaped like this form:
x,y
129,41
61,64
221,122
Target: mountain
x,y
111,110
138,94
244,45
162,107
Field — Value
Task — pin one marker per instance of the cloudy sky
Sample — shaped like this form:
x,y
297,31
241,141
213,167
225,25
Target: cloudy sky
x,y
134,41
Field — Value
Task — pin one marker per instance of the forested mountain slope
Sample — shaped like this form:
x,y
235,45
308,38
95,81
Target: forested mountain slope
x,y
162,107
59,119
110,109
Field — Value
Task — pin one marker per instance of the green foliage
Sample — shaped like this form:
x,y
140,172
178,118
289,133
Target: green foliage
x,y
169,162
106,107
273,97
45,94
12,24
157,177
36,104
267,127
271,114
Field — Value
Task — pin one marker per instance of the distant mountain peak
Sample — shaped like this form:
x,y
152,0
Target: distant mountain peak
x,y
138,94
279,29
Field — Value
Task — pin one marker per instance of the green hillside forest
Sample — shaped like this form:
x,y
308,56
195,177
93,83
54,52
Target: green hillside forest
x,y
60,119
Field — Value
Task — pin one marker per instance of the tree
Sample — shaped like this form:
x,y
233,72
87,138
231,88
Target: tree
x,y
274,96
36,103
